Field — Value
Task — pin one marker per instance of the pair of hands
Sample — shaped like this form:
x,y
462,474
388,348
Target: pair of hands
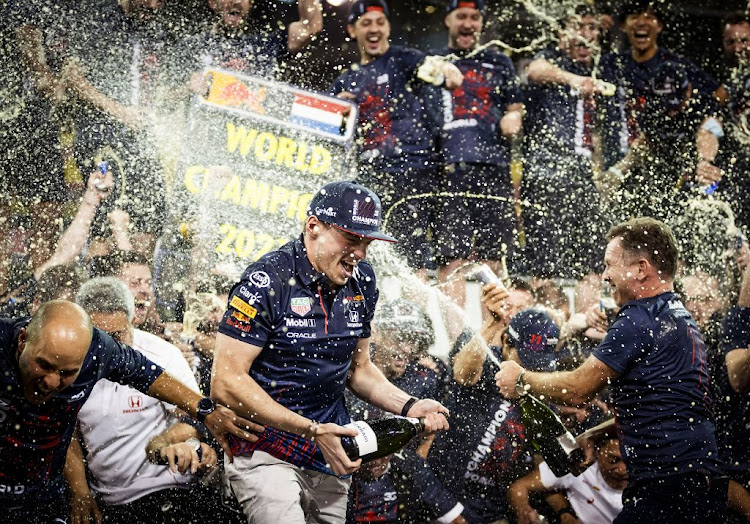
x,y
328,436
181,457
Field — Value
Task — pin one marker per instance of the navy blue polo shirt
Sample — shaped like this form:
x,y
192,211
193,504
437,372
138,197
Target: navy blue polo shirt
x,y
472,112
34,439
735,407
635,81
397,112
308,333
662,398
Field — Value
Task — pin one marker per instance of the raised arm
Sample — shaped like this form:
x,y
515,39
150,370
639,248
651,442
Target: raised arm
x,y
74,238
542,71
310,23
468,363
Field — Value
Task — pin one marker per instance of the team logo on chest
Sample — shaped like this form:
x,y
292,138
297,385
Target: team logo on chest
x,y
301,305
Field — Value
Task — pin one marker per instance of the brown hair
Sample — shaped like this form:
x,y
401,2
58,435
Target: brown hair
x,y
651,239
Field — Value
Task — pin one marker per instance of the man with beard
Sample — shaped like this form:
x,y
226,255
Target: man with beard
x,y
133,269
480,119
398,116
564,110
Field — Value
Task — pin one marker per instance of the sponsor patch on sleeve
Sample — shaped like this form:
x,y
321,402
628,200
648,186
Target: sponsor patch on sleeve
x,y
243,307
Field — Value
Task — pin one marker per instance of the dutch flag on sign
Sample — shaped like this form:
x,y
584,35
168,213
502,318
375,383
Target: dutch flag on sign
x,y
317,113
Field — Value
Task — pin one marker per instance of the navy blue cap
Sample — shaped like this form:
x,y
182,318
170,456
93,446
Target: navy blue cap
x,y
350,207
361,7
458,4
534,335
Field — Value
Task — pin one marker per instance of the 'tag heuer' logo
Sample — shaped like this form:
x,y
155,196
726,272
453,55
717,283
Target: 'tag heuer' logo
x,y
301,305
365,212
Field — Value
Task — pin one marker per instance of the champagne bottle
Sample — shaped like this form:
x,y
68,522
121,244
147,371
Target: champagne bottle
x,y
549,437
381,437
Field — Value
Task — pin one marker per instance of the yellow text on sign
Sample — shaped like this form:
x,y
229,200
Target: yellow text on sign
x,y
246,243
280,150
249,192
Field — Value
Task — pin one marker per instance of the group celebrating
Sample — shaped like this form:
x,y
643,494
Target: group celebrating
x,y
602,176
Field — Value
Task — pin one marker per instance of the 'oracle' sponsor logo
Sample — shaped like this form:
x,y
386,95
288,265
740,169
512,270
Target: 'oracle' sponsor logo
x,y
294,334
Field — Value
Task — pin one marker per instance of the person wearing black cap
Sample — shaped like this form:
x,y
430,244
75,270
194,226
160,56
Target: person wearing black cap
x,y
398,123
654,360
480,119
295,334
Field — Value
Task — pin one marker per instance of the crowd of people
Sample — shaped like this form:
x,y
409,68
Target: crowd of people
x,y
230,404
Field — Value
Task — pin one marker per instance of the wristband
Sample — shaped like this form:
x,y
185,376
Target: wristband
x,y
408,405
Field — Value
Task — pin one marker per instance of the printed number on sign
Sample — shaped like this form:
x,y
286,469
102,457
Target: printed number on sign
x,y
245,243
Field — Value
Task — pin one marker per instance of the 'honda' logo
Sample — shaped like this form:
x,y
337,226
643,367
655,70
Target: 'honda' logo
x,y
134,401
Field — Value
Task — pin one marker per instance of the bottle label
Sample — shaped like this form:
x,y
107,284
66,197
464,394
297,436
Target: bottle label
x,y
366,440
567,442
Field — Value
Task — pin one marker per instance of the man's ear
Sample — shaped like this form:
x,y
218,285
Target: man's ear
x,y
350,30
22,339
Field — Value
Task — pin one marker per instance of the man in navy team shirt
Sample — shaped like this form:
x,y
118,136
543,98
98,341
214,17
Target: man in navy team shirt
x,y
654,358
565,228
480,118
660,95
295,334
49,365
398,121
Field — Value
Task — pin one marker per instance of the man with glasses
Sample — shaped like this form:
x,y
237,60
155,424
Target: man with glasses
x,y
299,321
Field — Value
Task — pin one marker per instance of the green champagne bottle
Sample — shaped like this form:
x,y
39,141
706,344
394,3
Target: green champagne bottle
x,y
549,437
381,437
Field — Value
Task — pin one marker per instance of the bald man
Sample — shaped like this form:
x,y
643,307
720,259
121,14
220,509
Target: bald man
x,y
48,366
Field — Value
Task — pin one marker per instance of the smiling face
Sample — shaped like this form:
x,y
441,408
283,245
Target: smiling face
x,y
332,251
115,324
464,27
393,351
52,360
371,31
232,13
612,465
620,272
138,279
580,37
736,42
642,30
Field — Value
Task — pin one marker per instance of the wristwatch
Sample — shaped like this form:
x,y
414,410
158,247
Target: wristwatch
x,y
520,386
206,406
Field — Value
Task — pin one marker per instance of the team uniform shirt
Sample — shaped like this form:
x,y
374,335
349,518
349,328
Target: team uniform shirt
x,y
733,412
117,422
34,439
308,333
593,500
375,500
635,82
485,448
559,122
662,398
397,112
472,112
253,52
